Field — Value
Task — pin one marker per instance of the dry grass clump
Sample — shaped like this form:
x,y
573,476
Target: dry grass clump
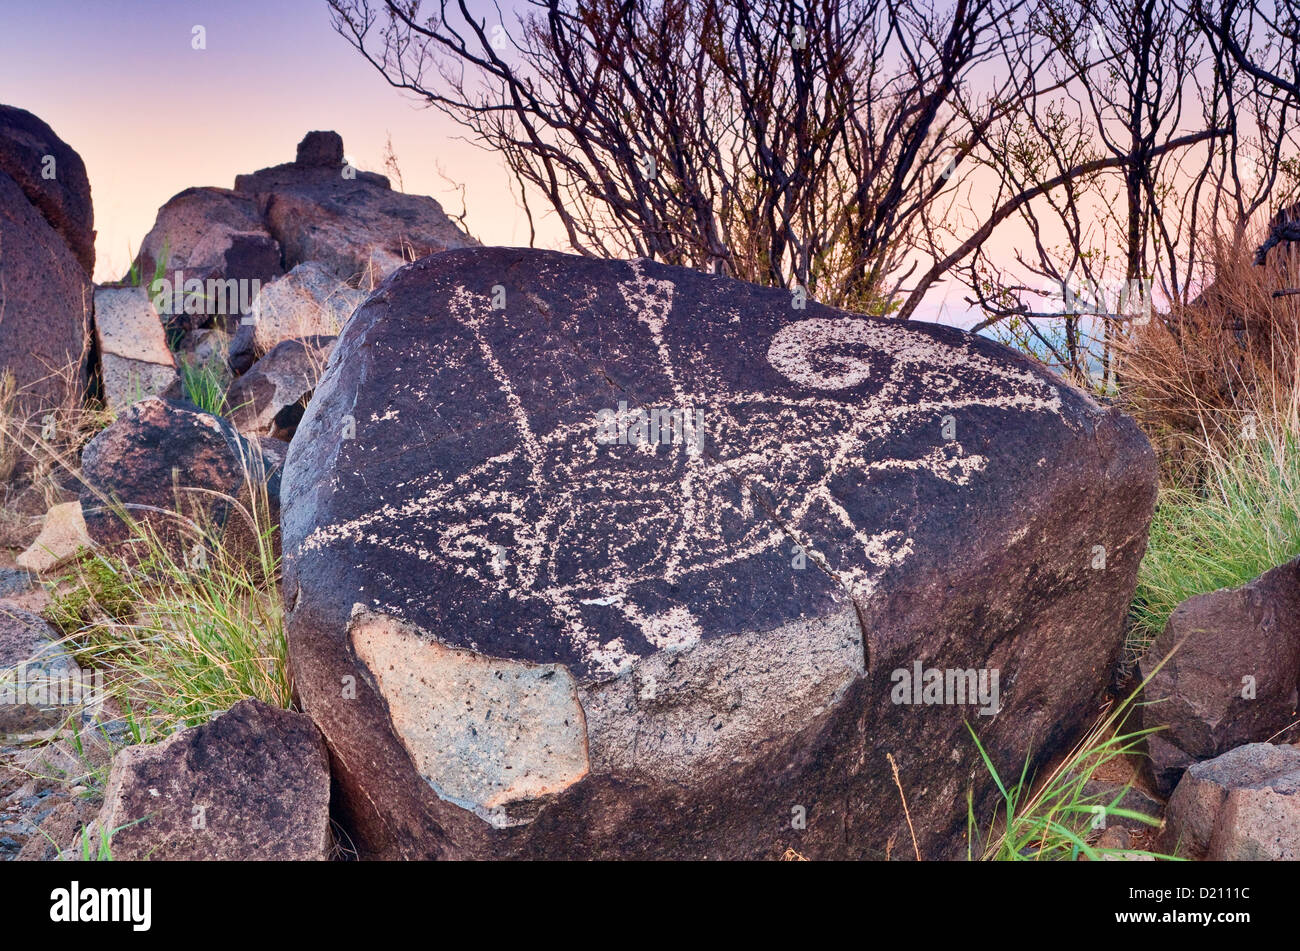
x,y
187,630
1208,377
1216,386
39,451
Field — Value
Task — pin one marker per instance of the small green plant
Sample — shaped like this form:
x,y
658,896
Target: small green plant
x,y
90,849
205,386
102,852
134,276
1052,820
93,589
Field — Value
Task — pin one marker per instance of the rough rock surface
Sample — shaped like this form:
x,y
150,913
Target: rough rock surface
x,y
45,303
30,656
15,581
171,456
53,178
521,638
349,220
63,534
134,359
270,398
309,301
209,234
57,834
1234,678
253,783
1241,806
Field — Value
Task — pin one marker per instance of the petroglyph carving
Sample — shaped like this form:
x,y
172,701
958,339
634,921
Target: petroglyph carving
x,y
698,505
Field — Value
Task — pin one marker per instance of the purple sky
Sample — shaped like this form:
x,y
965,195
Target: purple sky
x,y
120,82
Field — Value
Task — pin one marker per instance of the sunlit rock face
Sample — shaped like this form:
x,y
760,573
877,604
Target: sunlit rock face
x,y
615,559
320,209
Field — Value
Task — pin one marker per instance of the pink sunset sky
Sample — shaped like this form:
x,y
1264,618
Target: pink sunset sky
x,y
120,82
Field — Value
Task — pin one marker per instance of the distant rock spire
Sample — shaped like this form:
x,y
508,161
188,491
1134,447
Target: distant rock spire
x,y
321,149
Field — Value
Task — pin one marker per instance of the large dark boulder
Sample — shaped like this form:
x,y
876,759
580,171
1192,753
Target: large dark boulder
x,y
251,784
53,178
351,221
1231,666
528,626
45,306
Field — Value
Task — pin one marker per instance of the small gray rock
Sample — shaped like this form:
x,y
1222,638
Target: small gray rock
x,y
1242,805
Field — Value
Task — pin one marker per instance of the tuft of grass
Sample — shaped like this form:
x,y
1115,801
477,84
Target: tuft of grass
x,y
205,386
1053,820
187,618
1240,520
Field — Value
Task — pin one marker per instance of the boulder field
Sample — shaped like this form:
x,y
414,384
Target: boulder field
x,y
592,559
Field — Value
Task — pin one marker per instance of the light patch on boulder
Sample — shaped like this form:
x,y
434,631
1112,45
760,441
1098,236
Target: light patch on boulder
x,y
491,735
133,348
681,716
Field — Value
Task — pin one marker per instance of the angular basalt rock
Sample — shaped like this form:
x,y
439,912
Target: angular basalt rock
x,y
1241,806
350,221
1232,679
53,177
216,238
46,300
270,398
614,559
309,301
169,457
134,359
251,784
